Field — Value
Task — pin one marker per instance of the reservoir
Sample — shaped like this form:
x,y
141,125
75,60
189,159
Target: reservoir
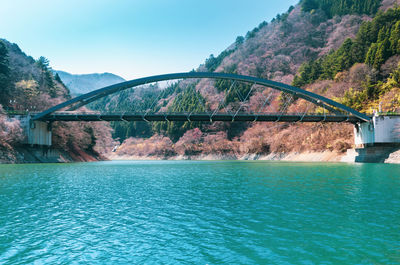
x,y
200,212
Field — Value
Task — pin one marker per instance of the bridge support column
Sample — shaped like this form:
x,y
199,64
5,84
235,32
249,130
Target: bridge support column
x,y
375,140
364,134
39,133
36,132
381,130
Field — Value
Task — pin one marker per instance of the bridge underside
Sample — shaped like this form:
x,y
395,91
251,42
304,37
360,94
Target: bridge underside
x,y
202,117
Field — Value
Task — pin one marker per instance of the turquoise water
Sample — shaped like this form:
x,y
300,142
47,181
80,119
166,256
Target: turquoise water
x,y
184,212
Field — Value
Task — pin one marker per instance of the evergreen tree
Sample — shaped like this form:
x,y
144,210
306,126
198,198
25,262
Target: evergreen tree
x,y
4,74
46,81
239,41
308,5
187,101
395,38
375,42
43,63
344,56
342,7
370,59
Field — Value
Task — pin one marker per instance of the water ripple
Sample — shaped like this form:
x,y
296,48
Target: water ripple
x,y
199,213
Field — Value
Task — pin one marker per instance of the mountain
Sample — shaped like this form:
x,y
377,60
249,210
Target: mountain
x,y
81,84
29,85
345,50
348,51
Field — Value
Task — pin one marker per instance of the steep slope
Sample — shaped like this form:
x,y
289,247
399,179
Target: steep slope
x,y
276,50
28,85
81,84
344,50
272,50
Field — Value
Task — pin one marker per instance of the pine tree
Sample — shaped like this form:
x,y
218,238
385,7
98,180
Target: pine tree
x,y
308,5
395,38
4,74
342,7
344,56
370,59
47,81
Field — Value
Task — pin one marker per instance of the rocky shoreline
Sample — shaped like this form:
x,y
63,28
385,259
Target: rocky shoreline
x,y
326,156
26,154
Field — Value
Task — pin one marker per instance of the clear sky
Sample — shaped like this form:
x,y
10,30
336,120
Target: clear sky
x,y
131,38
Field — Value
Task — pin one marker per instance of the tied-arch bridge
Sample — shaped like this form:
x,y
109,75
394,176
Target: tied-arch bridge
x,y
329,110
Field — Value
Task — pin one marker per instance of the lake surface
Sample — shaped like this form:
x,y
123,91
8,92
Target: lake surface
x,y
185,212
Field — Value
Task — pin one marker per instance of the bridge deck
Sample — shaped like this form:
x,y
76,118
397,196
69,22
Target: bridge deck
x,y
201,117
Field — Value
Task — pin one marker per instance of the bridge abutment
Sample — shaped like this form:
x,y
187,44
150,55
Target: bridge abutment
x,y
375,140
36,132
382,130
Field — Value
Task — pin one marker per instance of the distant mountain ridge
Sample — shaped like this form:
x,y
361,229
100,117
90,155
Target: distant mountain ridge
x,y
84,83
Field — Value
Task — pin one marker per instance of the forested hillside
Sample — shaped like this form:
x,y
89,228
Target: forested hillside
x,y
376,48
344,49
342,7
29,85
347,50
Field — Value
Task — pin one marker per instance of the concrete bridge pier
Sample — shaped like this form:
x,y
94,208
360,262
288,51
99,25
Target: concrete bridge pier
x,y
37,133
375,140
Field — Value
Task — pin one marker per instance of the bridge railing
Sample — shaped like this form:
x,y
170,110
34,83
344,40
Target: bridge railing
x,y
18,112
202,116
194,113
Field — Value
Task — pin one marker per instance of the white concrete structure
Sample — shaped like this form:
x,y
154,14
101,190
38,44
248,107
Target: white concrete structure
x,y
381,130
36,132
39,133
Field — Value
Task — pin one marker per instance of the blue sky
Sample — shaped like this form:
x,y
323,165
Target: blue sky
x,y
131,38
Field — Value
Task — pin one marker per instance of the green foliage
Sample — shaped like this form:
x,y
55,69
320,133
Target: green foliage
x,y
24,82
392,82
378,53
376,41
357,99
212,62
142,100
58,79
46,81
5,81
252,33
285,100
395,77
239,41
342,7
235,94
395,38
354,99
309,5
187,101
43,63
307,73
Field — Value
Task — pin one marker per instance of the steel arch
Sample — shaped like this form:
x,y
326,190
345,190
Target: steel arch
x,y
298,92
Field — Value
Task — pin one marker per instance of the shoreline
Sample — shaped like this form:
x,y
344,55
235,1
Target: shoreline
x,y
26,155
326,156
32,154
